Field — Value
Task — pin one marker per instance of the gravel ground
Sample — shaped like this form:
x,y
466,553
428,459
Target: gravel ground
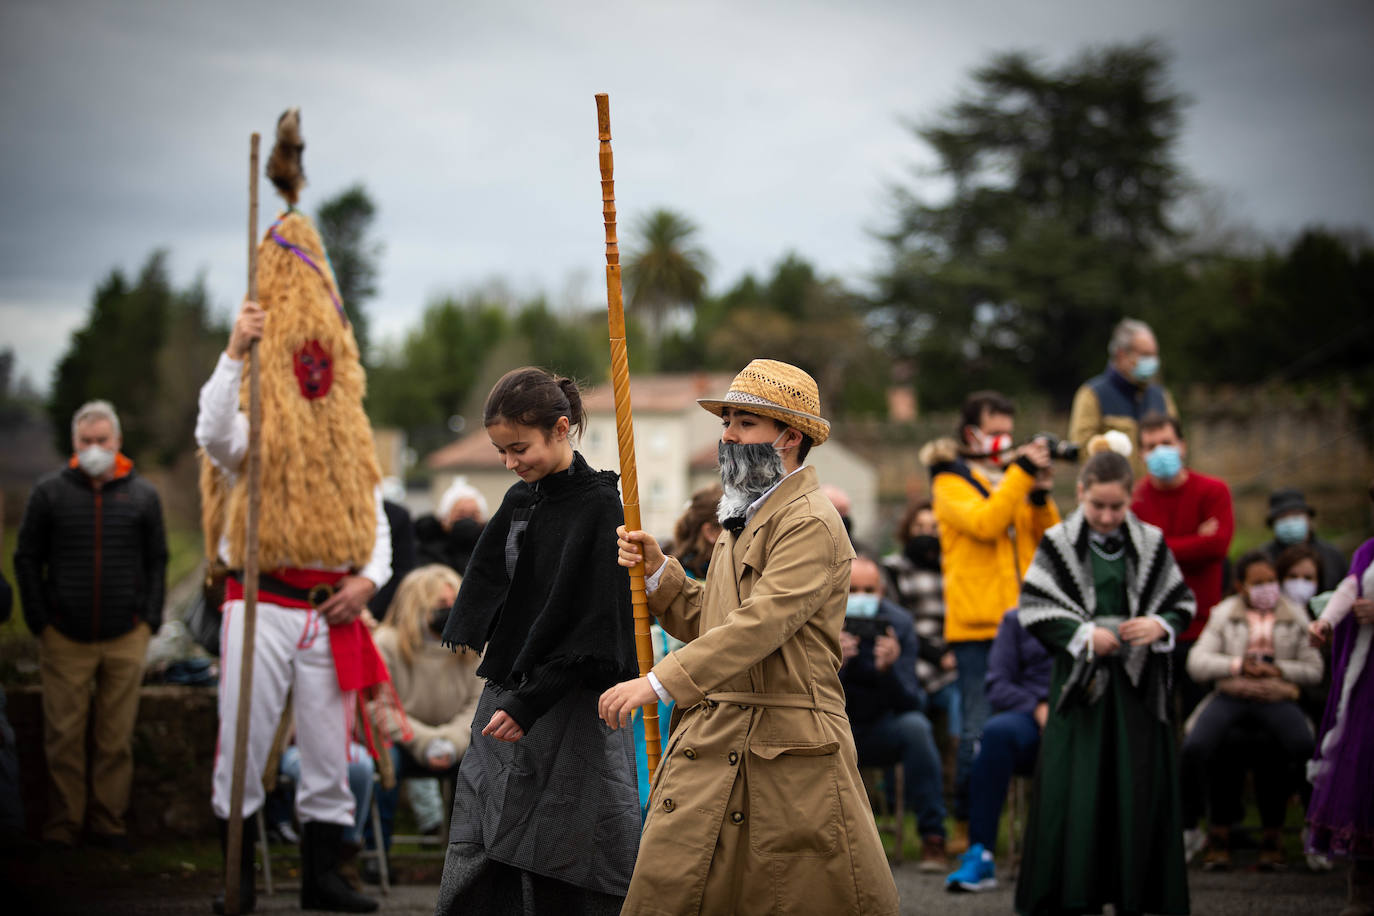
x,y
42,888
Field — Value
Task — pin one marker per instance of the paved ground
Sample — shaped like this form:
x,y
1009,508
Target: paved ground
x,y
43,888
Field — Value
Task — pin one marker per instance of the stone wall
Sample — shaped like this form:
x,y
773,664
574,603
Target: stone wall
x,y
174,747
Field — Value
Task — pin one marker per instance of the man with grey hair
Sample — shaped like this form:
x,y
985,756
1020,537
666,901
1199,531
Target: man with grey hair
x,y
91,565
1126,391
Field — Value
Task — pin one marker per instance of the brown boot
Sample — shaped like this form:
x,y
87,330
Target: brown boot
x,y
934,858
1218,855
348,864
1271,856
958,843
1360,901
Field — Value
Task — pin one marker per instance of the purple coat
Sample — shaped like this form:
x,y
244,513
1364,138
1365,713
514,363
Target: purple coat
x,y
1018,669
1341,813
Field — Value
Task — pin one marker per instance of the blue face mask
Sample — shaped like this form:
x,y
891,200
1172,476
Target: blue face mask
x,y
1145,368
861,605
1291,529
1164,462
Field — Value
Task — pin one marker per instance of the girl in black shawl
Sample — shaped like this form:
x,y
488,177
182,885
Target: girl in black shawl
x,y
546,809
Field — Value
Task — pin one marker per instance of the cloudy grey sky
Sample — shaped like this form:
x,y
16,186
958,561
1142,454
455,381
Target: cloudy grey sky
x,y
773,125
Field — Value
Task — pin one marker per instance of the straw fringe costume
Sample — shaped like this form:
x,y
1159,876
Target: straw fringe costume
x,y
1104,824
321,520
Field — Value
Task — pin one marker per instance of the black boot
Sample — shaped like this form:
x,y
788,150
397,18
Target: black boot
x,y
322,887
248,898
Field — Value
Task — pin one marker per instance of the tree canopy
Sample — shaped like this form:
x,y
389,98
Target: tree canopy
x,y
1061,183
345,221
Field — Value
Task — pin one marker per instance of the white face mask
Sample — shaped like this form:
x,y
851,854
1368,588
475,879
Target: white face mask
x,y
95,461
1300,590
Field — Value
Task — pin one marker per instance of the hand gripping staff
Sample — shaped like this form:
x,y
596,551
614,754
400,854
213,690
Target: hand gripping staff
x,y
233,841
624,425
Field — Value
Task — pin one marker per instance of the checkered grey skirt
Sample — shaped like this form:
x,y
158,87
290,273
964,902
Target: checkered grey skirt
x,y
561,803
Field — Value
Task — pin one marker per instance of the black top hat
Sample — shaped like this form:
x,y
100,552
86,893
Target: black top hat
x,y
1281,502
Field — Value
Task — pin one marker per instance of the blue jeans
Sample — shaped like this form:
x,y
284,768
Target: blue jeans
x,y
1010,743
973,670
405,767
907,738
947,700
359,783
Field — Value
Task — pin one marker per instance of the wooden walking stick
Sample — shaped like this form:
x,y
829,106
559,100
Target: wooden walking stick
x,y
234,835
624,425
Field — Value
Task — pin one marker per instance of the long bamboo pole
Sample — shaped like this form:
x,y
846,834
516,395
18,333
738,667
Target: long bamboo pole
x,y
624,425
234,835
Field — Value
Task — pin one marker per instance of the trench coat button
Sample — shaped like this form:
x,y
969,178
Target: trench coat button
x,y
689,753
733,758
668,804
737,817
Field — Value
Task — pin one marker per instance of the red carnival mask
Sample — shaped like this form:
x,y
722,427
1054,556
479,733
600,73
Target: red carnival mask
x,y
314,370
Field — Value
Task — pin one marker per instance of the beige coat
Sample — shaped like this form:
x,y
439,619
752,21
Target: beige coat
x,y
758,806
1227,638
437,690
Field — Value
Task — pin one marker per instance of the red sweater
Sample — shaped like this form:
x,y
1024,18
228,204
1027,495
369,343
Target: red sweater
x,y
1179,512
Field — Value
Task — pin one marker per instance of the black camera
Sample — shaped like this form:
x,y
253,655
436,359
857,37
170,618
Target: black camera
x,y
1060,449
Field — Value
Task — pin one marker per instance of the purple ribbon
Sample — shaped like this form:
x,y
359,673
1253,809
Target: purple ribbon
x,y
329,287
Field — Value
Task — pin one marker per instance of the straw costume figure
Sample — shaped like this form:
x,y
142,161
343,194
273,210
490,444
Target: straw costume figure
x,y
324,543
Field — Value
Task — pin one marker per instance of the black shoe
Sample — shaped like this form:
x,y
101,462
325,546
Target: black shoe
x,y
322,887
114,842
248,896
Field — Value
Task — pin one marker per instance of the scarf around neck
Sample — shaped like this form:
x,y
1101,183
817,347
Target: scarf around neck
x,y
543,586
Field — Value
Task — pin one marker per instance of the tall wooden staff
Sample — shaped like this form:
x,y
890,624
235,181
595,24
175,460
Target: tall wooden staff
x,y
624,426
234,834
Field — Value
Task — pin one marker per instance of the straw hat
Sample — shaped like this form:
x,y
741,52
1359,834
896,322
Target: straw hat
x,y
778,391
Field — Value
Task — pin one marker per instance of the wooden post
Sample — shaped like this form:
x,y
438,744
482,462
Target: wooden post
x,y
234,838
624,425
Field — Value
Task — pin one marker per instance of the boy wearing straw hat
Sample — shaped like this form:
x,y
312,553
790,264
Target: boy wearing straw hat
x,y
758,805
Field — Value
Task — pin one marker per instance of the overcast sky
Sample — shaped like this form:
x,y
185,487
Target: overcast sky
x,y
774,126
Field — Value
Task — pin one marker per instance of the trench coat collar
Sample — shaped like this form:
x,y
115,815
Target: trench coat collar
x,y
794,485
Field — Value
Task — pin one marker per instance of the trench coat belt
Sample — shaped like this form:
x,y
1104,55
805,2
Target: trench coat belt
x,y
790,700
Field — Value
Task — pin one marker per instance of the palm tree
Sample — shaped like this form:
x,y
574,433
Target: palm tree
x,y
665,270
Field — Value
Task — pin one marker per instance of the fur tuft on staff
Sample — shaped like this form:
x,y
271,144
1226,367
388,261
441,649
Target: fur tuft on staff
x,y
284,166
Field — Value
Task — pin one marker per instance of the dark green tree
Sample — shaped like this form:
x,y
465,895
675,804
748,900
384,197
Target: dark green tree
x,y
1061,182
145,347
344,222
665,270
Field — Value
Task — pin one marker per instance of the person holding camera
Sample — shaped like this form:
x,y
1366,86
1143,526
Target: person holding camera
x,y
992,502
1255,648
883,700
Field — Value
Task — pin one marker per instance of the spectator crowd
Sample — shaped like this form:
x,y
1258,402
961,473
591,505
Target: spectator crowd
x,y
1113,656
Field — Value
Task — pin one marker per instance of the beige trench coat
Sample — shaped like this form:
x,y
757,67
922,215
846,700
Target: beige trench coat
x,y
758,806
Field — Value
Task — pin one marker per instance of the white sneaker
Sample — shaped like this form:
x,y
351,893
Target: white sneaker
x,y
1316,862
1194,841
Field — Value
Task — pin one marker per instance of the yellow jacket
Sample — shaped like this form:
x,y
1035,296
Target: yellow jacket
x,y
986,542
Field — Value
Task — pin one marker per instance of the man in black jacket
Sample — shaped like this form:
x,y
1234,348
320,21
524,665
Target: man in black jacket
x,y
91,565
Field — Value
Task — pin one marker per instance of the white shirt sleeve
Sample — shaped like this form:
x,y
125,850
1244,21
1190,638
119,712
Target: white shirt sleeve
x,y
221,428
659,689
378,568
651,584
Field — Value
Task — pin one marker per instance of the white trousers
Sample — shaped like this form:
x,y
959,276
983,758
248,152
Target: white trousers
x,y
291,646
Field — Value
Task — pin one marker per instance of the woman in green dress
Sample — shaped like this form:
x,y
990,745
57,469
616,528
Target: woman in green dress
x,y
1106,598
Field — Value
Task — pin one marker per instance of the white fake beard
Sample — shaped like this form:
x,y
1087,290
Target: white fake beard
x,y
746,473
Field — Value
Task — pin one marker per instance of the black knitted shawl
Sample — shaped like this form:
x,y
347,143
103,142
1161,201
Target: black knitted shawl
x,y
567,604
